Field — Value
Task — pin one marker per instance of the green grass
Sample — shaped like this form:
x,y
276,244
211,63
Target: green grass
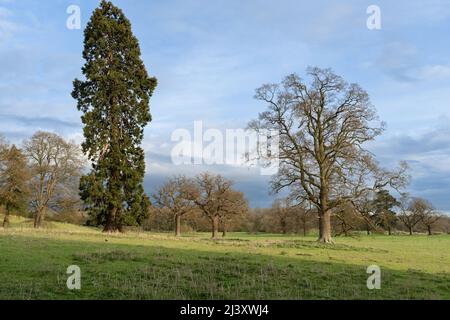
x,y
158,266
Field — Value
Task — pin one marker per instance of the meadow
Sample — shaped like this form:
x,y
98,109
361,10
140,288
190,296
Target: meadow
x,y
142,265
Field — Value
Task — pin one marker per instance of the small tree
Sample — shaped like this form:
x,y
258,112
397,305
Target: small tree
x,y
174,196
56,166
282,211
235,206
14,176
383,207
428,215
302,216
347,219
411,212
210,196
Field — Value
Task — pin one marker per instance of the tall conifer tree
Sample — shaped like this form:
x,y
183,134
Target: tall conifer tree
x,y
114,99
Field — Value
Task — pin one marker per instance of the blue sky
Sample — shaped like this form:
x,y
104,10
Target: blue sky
x,y
210,55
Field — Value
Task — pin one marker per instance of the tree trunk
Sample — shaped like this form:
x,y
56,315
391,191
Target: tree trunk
x,y
110,225
429,230
177,225
38,218
389,231
410,231
6,219
224,230
325,227
215,227
283,226
304,229
344,227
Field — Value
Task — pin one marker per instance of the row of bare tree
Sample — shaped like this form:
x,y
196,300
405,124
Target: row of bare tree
x,y
43,174
383,216
385,213
211,195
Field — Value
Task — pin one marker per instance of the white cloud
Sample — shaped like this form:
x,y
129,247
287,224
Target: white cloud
x,y
433,72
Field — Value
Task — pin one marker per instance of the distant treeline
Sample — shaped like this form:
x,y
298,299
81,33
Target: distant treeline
x,y
301,221
41,179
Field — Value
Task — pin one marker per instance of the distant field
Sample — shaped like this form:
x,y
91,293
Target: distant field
x,y
157,266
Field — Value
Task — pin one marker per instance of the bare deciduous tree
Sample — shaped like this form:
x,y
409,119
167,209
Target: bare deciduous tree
x,y
411,210
322,130
55,166
346,219
234,206
302,216
282,209
428,215
212,197
174,196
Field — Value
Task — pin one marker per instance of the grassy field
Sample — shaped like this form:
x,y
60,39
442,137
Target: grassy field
x,y
157,266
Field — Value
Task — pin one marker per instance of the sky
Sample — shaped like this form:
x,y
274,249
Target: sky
x,y
209,56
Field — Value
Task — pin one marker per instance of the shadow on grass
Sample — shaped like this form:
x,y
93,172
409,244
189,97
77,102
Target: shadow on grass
x,y
36,269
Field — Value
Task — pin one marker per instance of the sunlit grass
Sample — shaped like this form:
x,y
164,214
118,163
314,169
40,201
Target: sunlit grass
x,y
142,265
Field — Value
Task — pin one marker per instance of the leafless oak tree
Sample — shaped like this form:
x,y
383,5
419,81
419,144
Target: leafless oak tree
x,y
302,216
323,128
411,211
282,210
213,198
234,206
174,196
56,167
427,214
346,219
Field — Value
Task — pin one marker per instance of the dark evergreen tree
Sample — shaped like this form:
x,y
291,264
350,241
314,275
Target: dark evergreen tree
x,y
114,99
14,178
383,207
